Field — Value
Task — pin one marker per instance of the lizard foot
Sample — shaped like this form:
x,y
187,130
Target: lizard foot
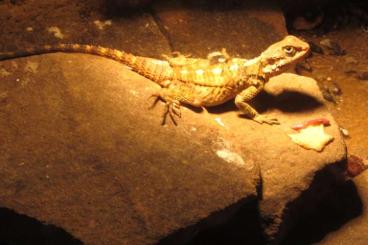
x,y
264,119
173,110
157,98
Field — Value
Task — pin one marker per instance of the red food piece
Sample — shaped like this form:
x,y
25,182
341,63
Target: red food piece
x,y
312,122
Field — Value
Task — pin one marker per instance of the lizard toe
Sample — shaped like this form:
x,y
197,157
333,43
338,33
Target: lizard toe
x,y
264,119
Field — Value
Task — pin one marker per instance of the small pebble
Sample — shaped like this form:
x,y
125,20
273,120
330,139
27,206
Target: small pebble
x,y
303,66
328,96
355,166
335,89
334,47
362,75
351,60
350,70
315,48
344,132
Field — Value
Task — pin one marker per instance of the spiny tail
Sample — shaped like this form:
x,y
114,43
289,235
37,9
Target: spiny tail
x,y
153,69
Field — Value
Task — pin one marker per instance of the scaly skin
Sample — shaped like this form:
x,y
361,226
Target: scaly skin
x,y
200,82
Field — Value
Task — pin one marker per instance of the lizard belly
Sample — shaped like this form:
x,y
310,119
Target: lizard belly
x,y
198,96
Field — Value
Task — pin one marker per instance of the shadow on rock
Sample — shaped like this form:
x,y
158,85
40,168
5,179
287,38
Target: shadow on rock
x,y
333,204
20,229
287,101
241,227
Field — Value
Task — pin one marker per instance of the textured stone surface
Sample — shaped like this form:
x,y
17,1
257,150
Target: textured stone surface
x,y
81,150
28,23
351,113
199,27
286,179
85,153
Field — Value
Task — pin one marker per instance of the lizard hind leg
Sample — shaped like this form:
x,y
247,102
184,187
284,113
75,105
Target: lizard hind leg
x,y
172,106
173,110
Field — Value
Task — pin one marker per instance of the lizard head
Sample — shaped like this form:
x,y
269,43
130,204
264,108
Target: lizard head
x,y
279,56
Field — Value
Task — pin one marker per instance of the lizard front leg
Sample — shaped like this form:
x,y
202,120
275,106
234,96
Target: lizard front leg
x,y
245,96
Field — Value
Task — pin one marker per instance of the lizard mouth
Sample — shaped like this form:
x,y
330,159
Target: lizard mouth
x,y
275,66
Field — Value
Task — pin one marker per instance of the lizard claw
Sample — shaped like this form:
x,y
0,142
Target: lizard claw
x,y
157,98
264,119
173,110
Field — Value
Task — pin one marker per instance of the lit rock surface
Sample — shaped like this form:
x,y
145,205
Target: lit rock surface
x,y
90,156
81,150
85,153
292,182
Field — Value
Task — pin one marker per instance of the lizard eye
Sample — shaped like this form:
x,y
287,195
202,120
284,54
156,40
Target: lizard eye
x,y
289,50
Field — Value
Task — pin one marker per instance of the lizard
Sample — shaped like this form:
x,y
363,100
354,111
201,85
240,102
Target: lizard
x,y
200,82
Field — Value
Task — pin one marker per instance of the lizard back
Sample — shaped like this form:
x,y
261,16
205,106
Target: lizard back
x,y
206,74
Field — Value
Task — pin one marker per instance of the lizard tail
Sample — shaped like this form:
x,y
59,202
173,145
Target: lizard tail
x,y
153,69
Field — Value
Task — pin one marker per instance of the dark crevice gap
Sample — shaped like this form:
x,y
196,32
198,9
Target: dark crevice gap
x,y
162,28
329,203
236,224
23,230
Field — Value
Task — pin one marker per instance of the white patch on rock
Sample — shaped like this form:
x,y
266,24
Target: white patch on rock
x,y
56,31
31,66
102,24
226,151
29,29
4,73
230,157
134,92
218,120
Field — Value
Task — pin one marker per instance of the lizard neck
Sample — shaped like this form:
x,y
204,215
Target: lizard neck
x,y
252,72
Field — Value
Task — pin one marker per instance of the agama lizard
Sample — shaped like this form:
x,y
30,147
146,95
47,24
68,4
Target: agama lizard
x,y
199,82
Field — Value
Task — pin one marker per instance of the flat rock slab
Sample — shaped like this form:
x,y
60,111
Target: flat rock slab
x,y
80,149
85,153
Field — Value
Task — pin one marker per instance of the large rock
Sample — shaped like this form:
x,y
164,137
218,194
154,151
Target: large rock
x,y
89,155
296,178
81,150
